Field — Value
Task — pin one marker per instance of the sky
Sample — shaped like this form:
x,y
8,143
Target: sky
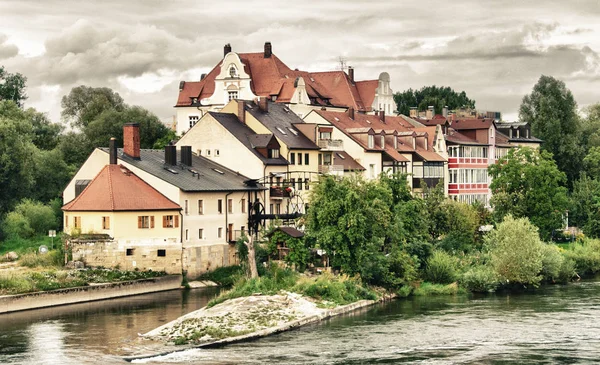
x,y
493,50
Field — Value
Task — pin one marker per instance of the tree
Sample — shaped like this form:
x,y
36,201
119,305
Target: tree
x,y
590,127
551,111
46,134
12,87
84,104
516,251
110,124
586,192
591,163
438,97
527,183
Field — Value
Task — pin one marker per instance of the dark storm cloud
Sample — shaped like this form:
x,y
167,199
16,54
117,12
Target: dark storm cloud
x,y
7,50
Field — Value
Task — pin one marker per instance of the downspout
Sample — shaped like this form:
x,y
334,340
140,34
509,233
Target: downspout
x,y
181,241
227,217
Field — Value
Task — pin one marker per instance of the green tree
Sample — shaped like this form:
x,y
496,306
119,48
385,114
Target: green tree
x,y
46,134
74,148
551,111
463,224
12,87
591,163
516,251
527,183
438,97
84,104
590,127
51,175
585,195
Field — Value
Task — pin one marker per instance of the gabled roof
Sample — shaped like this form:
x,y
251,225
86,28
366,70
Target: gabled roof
x,y
464,124
245,135
203,176
455,137
115,188
280,121
349,163
290,231
261,140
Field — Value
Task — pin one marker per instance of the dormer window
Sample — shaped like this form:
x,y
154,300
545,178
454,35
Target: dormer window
x,y
233,71
371,141
274,153
232,95
395,143
382,141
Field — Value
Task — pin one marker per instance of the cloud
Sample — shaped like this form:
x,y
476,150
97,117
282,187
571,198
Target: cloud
x,y
7,50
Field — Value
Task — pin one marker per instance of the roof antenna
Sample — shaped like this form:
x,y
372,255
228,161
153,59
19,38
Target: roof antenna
x,y
342,63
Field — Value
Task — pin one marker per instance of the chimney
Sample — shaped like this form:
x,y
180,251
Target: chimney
x,y
181,85
131,140
382,115
351,73
430,112
268,50
186,155
413,112
202,77
263,104
170,155
351,112
226,49
112,150
445,111
241,111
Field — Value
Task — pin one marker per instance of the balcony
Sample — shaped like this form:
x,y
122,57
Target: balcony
x,y
429,181
331,144
331,169
278,192
234,236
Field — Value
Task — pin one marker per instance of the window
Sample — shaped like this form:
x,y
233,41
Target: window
x,y
299,159
395,142
232,71
129,251
371,140
324,135
193,120
232,95
299,184
201,234
208,153
66,221
327,159
220,206
105,222
306,159
273,153
200,207
77,222
187,236
306,184
243,203
220,232
382,141
170,221
271,208
292,158
145,221
186,207
293,183
278,208
229,206
161,253
372,171
217,153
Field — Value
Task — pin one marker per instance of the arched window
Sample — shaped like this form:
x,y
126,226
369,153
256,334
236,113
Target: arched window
x,y
232,71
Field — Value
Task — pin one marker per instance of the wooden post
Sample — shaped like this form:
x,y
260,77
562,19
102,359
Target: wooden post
x,y
252,258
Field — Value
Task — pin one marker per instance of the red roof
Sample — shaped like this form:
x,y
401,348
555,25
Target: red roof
x,y
270,76
461,124
115,188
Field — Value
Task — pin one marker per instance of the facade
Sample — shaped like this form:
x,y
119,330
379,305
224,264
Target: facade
x,y
215,201
247,76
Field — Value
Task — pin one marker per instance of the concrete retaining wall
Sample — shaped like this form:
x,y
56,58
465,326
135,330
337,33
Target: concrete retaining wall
x,y
13,303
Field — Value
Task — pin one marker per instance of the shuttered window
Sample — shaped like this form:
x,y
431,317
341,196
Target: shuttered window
x,y
105,222
145,221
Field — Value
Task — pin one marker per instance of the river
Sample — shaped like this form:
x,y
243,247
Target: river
x,y
554,324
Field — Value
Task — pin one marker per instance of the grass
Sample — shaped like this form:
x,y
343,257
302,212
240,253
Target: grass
x,y
427,289
22,246
43,280
329,289
225,276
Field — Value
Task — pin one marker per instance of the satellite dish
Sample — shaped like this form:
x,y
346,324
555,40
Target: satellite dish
x,y
43,249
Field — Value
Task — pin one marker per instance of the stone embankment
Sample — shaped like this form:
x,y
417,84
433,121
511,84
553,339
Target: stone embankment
x,y
236,320
19,302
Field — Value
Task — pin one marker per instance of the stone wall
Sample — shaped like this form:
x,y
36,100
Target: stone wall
x,y
198,260
12,303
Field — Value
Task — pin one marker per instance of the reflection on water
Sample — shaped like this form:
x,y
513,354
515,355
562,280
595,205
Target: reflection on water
x,y
559,324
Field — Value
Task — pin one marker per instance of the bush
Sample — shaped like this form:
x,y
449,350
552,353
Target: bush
x,y
224,276
479,279
41,217
441,268
53,258
586,256
427,289
552,261
516,251
15,225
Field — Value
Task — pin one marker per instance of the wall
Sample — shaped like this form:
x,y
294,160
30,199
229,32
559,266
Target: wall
x,y
88,171
198,260
12,303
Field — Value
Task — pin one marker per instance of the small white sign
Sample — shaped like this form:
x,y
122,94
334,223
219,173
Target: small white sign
x,y
52,233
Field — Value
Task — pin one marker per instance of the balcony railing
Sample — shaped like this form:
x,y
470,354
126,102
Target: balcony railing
x,y
429,181
331,144
235,235
331,169
279,192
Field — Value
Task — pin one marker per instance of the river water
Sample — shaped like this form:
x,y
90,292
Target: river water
x,y
555,324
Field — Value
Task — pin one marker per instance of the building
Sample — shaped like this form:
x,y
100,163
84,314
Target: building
x,y
248,76
216,202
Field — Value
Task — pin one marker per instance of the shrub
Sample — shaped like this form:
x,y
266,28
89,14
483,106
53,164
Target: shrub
x,y
50,259
552,261
479,279
41,217
441,268
586,256
516,251
224,276
15,225
427,289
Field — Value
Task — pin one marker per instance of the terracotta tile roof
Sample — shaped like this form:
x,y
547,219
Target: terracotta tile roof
x,y
390,151
463,124
367,90
115,188
349,163
429,155
459,138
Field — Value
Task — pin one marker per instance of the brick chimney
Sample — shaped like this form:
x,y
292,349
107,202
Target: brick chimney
x,y
382,115
263,104
131,140
351,112
112,151
430,112
351,73
226,49
241,111
268,50
413,112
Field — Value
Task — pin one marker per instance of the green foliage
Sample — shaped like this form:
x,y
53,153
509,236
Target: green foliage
x,y
52,258
21,246
441,268
462,225
224,276
591,162
438,97
516,251
585,201
15,225
299,252
84,104
551,111
428,289
586,256
527,183
41,217
74,148
12,87
164,141
552,262
479,279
